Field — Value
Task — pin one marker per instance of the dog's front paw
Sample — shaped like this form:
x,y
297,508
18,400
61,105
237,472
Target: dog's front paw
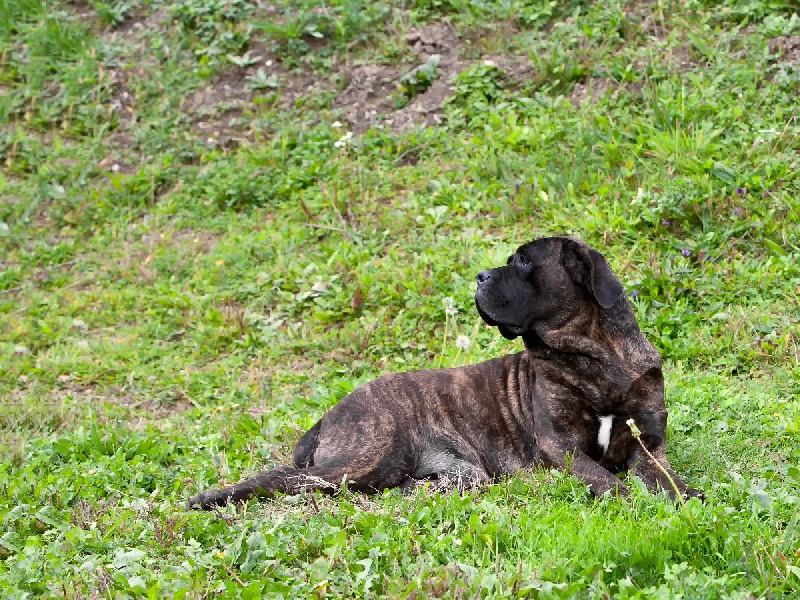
x,y
207,500
618,492
693,493
197,502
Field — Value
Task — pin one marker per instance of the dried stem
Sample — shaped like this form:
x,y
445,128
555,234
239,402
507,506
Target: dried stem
x,y
636,433
232,574
444,341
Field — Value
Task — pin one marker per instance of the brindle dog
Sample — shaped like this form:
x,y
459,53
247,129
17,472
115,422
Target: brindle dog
x,y
564,401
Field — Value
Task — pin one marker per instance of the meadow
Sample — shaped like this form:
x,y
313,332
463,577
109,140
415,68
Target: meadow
x,y
218,217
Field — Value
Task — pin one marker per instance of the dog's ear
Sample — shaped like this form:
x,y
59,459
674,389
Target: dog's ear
x,y
604,284
595,273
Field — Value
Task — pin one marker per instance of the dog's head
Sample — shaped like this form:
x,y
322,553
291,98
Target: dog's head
x,y
545,283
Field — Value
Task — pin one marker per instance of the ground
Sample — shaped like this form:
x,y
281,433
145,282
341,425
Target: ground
x,y
220,217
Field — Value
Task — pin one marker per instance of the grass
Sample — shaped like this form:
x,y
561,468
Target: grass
x,y
191,274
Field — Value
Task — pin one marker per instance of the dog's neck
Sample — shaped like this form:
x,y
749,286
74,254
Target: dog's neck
x,y
610,336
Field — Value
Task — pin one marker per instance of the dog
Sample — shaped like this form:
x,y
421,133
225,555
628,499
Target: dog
x,y
566,401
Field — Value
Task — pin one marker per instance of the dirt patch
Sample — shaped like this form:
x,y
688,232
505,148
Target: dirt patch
x,y
216,109
369,98
221,112
426,109
368,95
136,28
436,38
132,37
219,108
517,69
595,88
203,241
787,47
82,10
681,59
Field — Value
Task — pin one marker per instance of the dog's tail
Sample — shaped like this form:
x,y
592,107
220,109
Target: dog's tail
x,y
285,480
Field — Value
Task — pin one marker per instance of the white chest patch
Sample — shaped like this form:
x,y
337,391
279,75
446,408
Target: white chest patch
x,y
604,435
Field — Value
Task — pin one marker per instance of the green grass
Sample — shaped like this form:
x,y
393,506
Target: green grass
x,y
177,322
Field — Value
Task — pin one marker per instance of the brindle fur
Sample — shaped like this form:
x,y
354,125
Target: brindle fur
x,y
585,357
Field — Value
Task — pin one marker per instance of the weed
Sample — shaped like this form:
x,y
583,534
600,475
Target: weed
x,y
114,13
420,78
474,90
219,26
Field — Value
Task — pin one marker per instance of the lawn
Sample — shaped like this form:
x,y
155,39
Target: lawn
x,y
218,217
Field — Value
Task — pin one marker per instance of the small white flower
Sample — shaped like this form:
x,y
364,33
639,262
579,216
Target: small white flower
x,y
344,140
336,124
115,167
449,306
462,343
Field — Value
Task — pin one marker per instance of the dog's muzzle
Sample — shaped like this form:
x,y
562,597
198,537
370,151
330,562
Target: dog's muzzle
x,y
483,304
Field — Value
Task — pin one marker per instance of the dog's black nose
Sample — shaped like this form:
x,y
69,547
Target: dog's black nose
x,y
484,276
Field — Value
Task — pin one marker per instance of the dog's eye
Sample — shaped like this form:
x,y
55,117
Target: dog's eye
x,y
522,260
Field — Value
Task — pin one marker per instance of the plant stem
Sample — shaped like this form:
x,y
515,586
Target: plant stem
x,y
444,338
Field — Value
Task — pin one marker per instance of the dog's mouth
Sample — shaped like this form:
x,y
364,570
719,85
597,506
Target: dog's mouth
x,y
508,331
484,315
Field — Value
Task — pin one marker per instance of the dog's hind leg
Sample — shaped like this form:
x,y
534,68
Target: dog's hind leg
x,y
444,472
304,451
353,440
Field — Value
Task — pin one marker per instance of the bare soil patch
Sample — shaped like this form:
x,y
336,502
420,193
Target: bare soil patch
x,y
82,10
787,47
682,59
216,107
219,106
518,69
202,240
132,37
369,98
427,108
368,95
436,38
593,88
